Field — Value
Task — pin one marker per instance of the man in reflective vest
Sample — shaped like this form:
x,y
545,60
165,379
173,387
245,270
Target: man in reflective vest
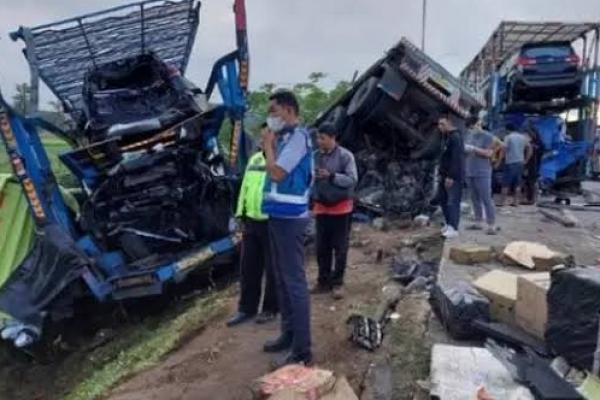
x,y
288,150
255,257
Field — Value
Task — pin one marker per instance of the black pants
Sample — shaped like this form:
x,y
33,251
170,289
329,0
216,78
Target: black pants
x,y
333,233
449,199
255,259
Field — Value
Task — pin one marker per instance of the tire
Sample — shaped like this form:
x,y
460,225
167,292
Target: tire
x,y
365,99
337,118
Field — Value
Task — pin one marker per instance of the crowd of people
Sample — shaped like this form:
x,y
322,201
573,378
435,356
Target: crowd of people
x,y
468,162
282,180
286,181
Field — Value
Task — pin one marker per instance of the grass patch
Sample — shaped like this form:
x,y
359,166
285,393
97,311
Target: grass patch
x,y
409,349
146,347
54,147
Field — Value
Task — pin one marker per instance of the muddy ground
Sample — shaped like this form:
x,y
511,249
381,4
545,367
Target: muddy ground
x,y
222,363
216,362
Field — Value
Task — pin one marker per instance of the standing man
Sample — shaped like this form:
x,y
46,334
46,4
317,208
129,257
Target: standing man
x,y
451,172
336,178
479,148
532,167
517,152
255,257
288,151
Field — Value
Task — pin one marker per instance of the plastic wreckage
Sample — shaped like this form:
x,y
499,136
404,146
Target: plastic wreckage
x,y
388,118
157,194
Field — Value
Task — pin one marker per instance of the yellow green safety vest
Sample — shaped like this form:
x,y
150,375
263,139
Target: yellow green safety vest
x,y
251,193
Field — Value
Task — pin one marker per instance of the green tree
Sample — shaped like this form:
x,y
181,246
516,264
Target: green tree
x,y
312,96
21,98
313,99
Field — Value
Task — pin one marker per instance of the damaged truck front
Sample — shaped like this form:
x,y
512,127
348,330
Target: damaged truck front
x,y
157,192
389,120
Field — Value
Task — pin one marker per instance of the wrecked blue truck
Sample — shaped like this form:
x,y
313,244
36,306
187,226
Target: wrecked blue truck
x,y
157,193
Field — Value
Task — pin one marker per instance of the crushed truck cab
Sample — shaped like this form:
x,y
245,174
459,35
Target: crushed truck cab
x,y
158,193
388,118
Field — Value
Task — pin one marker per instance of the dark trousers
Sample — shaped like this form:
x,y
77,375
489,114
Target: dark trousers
x,y
287,252
255,259
333,233
450,202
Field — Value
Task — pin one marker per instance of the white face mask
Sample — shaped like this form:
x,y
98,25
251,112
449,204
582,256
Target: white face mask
x,y
276,124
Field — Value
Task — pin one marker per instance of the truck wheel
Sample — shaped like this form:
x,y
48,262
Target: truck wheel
x,y
338,118
365,99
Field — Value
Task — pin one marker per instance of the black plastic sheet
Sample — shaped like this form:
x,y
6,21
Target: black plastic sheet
x,y
573,307
53,264
405,272
458,307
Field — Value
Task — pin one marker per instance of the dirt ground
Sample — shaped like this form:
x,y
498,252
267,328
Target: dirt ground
x,y
221,363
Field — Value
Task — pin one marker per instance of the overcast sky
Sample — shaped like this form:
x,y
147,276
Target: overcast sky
x,y
291,38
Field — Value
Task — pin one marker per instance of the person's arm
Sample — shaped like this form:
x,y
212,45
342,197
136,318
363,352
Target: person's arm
x,y
456,157
349,177
291,155
275,172
528,152
501,153
484,153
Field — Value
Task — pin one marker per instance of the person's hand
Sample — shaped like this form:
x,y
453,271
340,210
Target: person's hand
x,y
322,173
469,148
268,137
449,183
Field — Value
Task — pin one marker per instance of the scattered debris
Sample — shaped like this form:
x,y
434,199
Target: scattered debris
x,y
367,332
572,328
511,336
535,372
380,224
531,308
457,373
407,266
101,337
533,255
421,220
340,391
563,217
471,254
458,307
590,387
465,208
360,243
500,288
378,383
296,379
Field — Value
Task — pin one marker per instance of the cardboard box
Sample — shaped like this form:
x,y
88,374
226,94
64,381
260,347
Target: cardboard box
x,y
500,288
471,254
534,256
531,309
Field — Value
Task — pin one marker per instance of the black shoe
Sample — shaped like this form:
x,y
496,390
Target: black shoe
x,y
320,288
239,318
265,317
290,359
282,343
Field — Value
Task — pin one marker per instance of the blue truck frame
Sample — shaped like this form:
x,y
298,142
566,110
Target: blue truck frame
x,y
485,76
112,279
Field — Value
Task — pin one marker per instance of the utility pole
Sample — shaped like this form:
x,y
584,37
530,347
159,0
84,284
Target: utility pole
x,y
423,25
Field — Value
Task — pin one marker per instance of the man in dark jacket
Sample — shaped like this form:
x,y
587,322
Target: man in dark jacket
x,y
336,177
451,172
